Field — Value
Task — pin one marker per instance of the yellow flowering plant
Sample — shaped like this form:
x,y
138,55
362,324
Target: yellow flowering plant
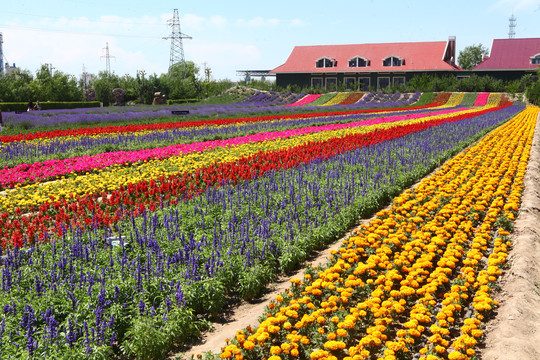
x,y
417,273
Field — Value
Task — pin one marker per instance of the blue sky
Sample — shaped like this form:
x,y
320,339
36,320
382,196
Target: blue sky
x,y
238,34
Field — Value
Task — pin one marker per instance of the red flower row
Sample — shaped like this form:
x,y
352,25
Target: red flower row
x,y
103,209
184,124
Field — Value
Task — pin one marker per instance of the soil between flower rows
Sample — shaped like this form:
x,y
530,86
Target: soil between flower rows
x,y
513,333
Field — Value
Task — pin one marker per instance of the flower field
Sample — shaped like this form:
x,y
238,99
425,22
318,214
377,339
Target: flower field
x,y
124,241
418,278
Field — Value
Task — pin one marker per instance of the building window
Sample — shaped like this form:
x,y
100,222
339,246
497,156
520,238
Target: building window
x,y
383,82
399,80
393,61
350,83
364,83
331,83
316,83
325,63
535,60
358,61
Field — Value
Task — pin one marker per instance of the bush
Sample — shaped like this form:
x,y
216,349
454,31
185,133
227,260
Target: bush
x,y
181,101
49,105
90,94
533,93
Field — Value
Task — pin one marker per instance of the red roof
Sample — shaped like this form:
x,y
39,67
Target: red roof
x,y
511,54
418,56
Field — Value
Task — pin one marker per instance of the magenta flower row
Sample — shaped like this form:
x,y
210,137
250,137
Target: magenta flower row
x,y
55,168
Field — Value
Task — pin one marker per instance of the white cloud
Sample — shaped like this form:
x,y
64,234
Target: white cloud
x,y
257,22
192,21
218,21
515,5
136,43
224,58
68,43
297,23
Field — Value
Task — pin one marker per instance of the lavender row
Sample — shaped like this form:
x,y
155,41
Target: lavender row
x,y
96,116
92,294
15,153
274,98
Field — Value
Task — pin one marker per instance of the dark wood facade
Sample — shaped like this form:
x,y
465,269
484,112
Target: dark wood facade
x,y
356,81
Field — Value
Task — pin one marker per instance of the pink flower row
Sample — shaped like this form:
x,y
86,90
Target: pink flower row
x,y
481,99
306,100
52,169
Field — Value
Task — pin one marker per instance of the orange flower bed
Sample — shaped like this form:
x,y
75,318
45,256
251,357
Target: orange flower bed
x,y
418,279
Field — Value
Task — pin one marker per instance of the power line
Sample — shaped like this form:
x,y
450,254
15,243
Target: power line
x,y
79,32
512,27
107,57
177,47
1,54
77,19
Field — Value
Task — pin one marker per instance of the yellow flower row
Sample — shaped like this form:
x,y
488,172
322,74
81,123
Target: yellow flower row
x,y
455,99
417,271
493,99
45,141
114,177
336,99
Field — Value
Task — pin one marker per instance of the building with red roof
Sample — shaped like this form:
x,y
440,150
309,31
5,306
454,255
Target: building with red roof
x,y
510,59
366,65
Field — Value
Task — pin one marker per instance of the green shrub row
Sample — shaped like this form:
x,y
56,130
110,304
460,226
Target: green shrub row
x,y
181,101
49,105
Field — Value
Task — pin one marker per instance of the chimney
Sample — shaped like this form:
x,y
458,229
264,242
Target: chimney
x,y
450,53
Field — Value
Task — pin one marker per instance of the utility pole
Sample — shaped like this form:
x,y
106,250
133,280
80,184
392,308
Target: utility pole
x,y
177,47
512,27
107,57
207,72
50,68
1,54
85,77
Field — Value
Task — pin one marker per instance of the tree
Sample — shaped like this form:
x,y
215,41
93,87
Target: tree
x,y
533,91
104,84
182,81
471,56
55,86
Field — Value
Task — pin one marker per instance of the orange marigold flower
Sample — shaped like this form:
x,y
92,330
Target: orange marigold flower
x,y
456,355
225,355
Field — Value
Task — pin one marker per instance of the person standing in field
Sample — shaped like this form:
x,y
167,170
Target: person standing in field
x,y
30,105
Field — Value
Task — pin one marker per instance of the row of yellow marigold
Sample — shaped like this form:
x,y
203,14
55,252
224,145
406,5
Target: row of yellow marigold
x,y
115,176
418,278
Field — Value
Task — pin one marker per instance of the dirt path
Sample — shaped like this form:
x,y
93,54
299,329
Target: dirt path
x,y
248,313
515,331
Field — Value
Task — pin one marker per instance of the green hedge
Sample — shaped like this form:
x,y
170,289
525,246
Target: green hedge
x,y
533,93
23,106
181,101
